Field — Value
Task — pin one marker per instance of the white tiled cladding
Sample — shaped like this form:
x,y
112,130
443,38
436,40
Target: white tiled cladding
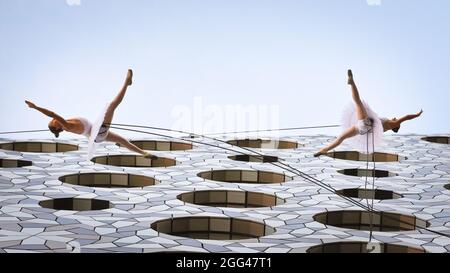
x,y
423,171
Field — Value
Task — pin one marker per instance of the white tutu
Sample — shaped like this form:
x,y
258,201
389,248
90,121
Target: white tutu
x,y
366,142
92,145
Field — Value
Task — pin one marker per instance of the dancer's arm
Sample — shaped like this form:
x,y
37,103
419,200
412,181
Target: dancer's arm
x,y
409,117
48,113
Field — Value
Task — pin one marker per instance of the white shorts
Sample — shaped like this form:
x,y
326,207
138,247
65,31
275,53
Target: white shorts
x,y
364,126
102,134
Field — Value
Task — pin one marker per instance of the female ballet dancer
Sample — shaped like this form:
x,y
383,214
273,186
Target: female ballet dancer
x,y
362,126
97,132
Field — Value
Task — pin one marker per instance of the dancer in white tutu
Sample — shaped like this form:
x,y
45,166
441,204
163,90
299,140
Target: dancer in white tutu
x,y
96,132
362,126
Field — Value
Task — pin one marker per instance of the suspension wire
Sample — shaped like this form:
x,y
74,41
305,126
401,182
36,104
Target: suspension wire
x,y
367,178
299,173
207,144
23,132
214,134
286,166
292,169
274,130
373,180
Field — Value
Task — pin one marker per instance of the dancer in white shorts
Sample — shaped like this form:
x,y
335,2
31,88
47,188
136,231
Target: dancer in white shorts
x,y
359,120
97,132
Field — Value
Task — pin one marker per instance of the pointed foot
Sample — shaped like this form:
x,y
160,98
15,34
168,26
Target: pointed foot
x,y
150,156
130,77
318,154
350,77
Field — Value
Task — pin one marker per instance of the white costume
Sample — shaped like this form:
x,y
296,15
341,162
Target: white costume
x,y
96,133
370,130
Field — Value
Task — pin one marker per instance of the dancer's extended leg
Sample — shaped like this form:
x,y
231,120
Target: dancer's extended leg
x,y
351,132
118,99
113,137
361,113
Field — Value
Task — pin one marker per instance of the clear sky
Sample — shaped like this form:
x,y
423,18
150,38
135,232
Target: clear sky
x,y
202,63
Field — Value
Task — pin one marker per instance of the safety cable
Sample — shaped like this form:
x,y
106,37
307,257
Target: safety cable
x,y
23,132
285,167
214,134
274,130
367,180
298,172
373,180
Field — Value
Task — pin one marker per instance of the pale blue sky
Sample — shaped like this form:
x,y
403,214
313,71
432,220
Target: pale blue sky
x,y
289,53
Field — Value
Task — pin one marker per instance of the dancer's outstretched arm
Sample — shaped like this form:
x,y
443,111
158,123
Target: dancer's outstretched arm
x,y
48,113
398,122
410,117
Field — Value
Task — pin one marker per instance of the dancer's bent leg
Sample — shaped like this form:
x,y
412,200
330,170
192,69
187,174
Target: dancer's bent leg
x,y
113,137
351,132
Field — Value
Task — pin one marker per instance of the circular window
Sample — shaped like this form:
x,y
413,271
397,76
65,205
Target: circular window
x,y
364,220
134,161
264,144
158,145
76,204
212,228
362,247
39,147
109,180
254,158
357,156
245,176
367,173
231,199
9,163
438,139
369,194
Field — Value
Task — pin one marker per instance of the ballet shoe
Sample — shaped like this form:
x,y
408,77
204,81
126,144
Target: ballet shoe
x,y
350,74
319,154
350,77
130,77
